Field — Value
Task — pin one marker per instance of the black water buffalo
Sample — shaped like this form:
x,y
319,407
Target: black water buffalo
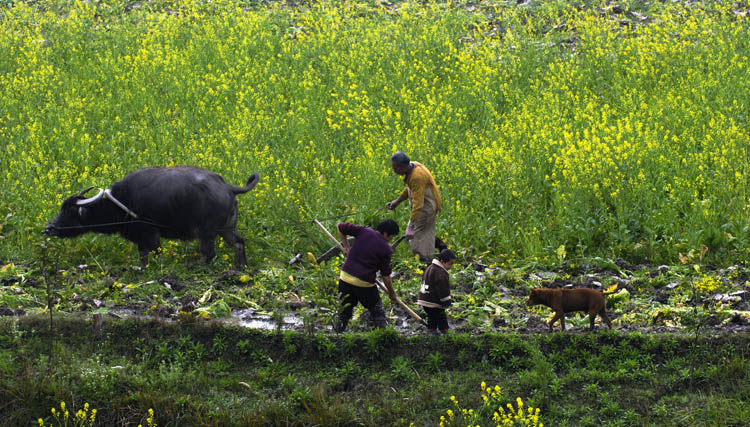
x,y
176,203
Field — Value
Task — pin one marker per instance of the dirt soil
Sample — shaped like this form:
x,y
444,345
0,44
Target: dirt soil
x,y
648,299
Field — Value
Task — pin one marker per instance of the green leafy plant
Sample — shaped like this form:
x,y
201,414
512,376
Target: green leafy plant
x,y
243,347
219,345
434,362
402,369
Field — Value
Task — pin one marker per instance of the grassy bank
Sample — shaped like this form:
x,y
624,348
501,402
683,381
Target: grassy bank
x,y
207,374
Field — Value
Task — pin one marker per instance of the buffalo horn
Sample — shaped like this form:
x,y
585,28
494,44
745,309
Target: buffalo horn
x,y
90,200
84,191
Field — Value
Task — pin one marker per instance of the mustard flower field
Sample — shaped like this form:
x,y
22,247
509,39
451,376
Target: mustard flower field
x,y
590,143
548,127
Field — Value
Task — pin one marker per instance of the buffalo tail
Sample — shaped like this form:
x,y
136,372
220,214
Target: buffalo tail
x,y
251,183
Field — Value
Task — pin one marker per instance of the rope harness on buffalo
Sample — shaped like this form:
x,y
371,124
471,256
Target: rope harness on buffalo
x,y
107,194
109,224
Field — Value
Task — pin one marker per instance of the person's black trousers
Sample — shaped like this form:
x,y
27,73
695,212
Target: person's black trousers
x,y
369,297
436,319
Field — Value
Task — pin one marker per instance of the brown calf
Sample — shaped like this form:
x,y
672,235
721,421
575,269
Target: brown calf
x,y
563,301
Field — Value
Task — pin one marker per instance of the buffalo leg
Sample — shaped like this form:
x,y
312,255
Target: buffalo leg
x,y
208,252
238,244
146,245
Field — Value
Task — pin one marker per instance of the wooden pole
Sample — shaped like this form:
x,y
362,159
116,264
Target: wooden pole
x,y
328,233
403,305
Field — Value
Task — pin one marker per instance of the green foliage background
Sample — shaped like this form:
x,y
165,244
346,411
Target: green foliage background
x,y
608,132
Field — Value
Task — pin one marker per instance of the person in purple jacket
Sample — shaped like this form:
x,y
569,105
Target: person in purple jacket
x,y
370,253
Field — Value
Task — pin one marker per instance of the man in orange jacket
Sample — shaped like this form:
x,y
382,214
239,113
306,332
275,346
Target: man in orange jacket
x,y
424,198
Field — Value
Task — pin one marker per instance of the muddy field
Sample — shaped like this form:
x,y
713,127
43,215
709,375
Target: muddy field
x,y
649,299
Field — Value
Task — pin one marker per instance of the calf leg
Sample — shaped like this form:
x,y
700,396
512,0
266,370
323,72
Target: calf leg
x,y
592,317
603,314
560,316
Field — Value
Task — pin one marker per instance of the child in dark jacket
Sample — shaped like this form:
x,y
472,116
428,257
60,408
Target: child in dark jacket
x,y
435,292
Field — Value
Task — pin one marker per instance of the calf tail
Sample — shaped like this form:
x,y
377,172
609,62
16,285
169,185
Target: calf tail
x,y
251,183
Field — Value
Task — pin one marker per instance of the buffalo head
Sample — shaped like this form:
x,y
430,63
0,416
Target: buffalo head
x,y
74,217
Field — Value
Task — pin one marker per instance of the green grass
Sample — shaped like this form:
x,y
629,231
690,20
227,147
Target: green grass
x,y
207,374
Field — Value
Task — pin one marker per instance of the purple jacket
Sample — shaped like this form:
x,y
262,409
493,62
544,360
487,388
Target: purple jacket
x,y
369,253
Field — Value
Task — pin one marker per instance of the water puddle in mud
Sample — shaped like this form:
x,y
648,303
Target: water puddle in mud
x,y
252,318
249,318
261,320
